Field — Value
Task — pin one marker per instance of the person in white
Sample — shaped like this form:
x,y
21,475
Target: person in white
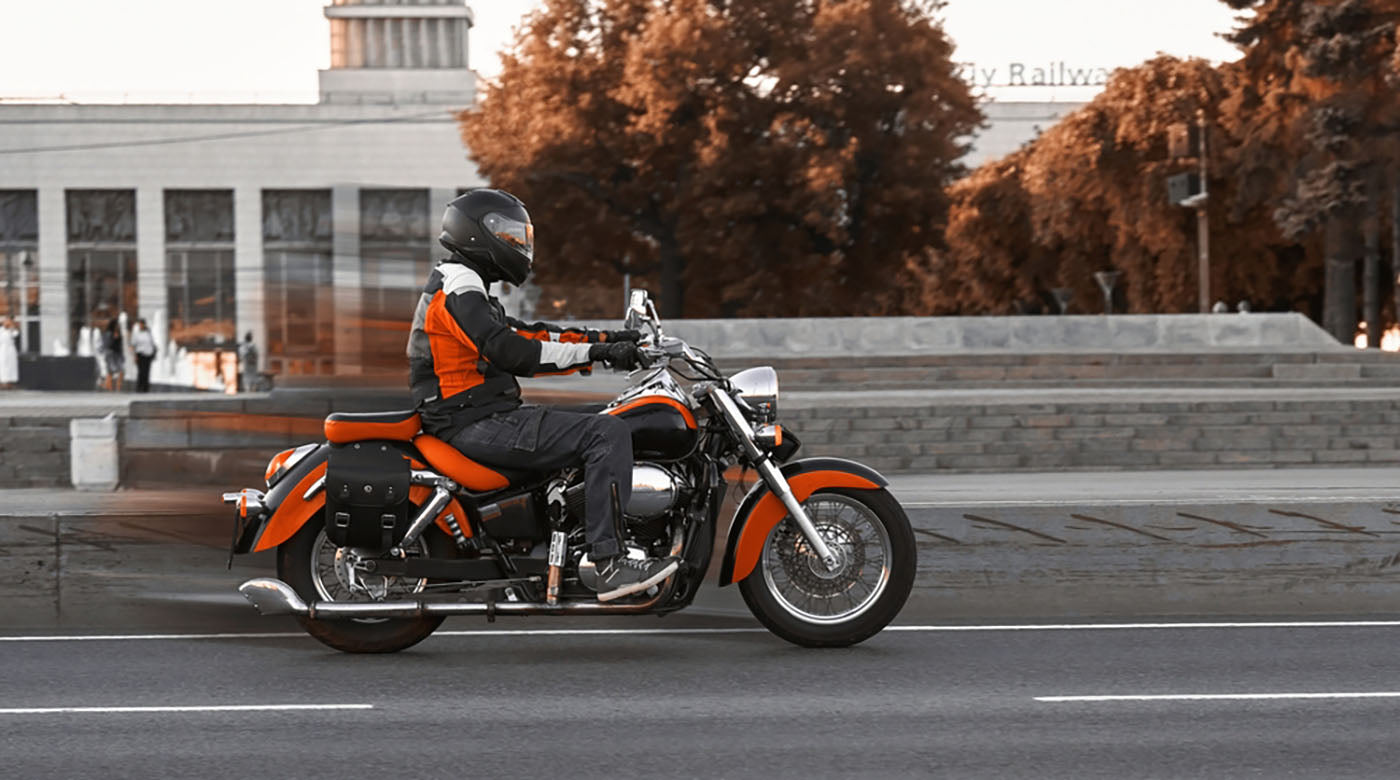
x,y
9,353
143,344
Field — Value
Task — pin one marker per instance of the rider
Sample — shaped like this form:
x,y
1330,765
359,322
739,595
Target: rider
x,y
465,352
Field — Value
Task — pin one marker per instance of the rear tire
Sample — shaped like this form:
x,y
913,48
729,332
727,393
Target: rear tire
x,y
360,635
793,595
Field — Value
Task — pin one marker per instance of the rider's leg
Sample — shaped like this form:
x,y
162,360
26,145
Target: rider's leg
x,y
545,439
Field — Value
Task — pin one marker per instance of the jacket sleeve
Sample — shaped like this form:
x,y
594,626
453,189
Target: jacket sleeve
x,y
506,349
548,331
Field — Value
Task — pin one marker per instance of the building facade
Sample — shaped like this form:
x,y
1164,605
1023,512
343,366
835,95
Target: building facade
x,y
310,226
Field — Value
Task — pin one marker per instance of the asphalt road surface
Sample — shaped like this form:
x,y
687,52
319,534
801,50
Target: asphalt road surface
x,y
664,699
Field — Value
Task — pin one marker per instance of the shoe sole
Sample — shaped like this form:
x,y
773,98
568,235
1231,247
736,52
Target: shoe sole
x,y
627,590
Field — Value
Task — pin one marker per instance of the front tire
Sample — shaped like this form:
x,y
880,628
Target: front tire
x,y
297,565
793,595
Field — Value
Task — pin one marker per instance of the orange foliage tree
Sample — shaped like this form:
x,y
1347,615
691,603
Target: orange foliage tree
x,y
1298,125
778,158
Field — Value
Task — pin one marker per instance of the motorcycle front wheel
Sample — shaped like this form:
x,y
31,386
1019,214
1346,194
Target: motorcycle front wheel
x,y
795,596
314,567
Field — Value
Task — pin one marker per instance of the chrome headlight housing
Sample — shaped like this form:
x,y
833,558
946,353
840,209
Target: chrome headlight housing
x,y
756,391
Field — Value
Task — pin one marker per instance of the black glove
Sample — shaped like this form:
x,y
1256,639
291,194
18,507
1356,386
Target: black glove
x,y
620,354
611,336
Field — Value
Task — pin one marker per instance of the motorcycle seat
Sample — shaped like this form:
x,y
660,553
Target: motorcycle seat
x,y
344,428
476,477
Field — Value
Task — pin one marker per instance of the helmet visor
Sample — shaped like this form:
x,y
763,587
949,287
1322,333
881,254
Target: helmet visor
x,y
517,235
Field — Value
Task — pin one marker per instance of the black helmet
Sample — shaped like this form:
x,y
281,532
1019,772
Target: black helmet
x,y
491,227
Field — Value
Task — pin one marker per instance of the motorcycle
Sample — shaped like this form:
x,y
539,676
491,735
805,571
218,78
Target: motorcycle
x,y
382,531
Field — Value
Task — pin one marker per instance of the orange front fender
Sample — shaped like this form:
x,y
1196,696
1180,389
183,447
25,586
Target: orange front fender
x,y
761,510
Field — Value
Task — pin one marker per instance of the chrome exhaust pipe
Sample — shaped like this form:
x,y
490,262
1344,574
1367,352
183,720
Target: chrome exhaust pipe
x,y
275,597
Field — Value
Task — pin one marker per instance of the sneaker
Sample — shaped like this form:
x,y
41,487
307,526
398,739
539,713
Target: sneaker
x,y
622,576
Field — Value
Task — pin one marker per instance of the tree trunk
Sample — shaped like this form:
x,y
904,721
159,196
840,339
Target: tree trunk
x,y
1371,269
672,283
1339,293
1395,244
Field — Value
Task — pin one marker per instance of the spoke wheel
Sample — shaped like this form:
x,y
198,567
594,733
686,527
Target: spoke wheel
x,y
319,571
804,586
798,598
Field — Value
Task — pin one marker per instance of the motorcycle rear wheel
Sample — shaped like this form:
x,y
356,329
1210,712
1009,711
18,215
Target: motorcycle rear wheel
x,y
793,595
297,565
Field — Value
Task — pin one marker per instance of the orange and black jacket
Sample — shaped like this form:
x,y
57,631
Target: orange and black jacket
x,y
464,352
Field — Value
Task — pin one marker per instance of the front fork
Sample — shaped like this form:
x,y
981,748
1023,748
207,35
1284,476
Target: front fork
x,y
774,478
779,485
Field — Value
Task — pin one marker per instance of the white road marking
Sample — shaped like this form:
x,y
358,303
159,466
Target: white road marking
x,y
209,708
1221,696
737,630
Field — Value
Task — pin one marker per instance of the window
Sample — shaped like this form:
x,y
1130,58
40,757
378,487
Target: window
x,y
300,299
101,258
395,257
199,267
19,264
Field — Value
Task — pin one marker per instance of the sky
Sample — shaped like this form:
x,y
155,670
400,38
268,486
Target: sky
x,y
269,50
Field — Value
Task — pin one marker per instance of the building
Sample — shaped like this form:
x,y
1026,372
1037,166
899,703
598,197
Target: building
x,y
311,226
1012,124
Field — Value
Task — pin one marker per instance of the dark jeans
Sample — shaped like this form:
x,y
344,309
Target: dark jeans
x,y
143,373
541,439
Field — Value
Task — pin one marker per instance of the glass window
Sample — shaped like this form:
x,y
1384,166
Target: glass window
x,y
102,285
396,242
300,303
199,267
199,294
19,264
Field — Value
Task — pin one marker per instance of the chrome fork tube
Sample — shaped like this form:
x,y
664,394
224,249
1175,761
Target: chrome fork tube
x,y
774,478
779,485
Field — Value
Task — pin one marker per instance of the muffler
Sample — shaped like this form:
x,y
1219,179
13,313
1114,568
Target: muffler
x,y
274,597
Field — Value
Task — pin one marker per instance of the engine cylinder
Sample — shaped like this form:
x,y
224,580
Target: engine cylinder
x,y
654,491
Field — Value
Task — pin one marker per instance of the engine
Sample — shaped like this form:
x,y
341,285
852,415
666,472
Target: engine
x,y
656,490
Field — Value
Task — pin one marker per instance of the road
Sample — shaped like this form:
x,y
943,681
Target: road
x,y
709,698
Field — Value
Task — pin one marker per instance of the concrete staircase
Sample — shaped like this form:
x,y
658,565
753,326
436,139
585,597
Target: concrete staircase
x,y
1343,368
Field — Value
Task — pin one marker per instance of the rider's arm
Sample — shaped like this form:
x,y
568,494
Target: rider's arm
x,y
499,344
549,331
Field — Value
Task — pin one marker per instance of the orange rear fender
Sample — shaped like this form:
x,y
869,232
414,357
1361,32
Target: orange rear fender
x,y
761,511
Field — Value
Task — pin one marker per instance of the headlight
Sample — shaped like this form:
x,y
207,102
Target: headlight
x,y
285,461
757,389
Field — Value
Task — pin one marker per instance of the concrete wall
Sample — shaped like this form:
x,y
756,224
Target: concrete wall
x,y
865,336
34,452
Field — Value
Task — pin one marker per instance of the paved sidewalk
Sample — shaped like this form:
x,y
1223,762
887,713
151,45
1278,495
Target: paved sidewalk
x,y
58,403
1224,486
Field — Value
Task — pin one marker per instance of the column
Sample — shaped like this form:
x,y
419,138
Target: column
x,y
53,272
249,275
355,44
345,275
443,58
150,252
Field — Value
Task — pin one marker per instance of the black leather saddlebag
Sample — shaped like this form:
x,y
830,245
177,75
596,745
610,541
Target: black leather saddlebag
x,y
367,495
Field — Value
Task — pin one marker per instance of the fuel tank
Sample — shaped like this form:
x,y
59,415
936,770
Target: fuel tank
x,y
662,427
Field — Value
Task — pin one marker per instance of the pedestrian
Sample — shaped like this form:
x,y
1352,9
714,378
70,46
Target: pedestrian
x,y
143,344
115,355
9,353
248,359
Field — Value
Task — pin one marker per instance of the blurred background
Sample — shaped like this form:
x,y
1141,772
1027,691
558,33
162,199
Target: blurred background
x,y
271,173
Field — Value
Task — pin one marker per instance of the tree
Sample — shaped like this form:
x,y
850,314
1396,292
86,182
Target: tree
x,y
1300,127
777,158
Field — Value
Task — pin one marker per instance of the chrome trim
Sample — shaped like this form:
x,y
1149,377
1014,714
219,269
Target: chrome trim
x,y
274,597
431,510
757,388
314,489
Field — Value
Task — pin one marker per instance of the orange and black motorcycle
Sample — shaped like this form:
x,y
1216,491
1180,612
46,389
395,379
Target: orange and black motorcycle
x,y
382,531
